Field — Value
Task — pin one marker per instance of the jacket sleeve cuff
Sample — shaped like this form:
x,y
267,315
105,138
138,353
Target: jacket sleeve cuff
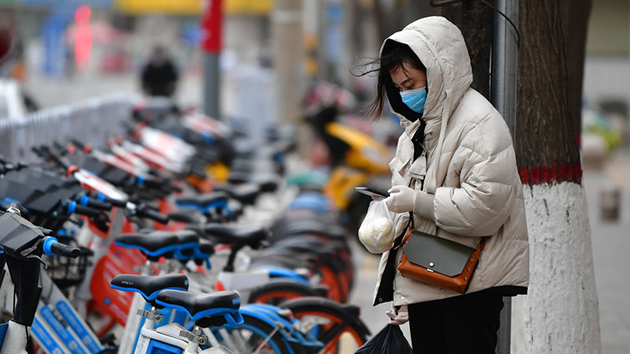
x,y
423,205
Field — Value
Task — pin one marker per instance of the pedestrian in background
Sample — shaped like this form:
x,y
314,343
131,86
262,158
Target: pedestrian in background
x,y
455,174
159,76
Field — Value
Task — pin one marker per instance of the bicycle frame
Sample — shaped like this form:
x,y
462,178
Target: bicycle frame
x,y
14,340
165,339
61,325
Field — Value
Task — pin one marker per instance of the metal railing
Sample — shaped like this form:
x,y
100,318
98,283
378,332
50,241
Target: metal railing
x,y
92,121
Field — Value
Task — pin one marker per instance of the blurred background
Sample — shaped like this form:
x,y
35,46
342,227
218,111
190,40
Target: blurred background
x,y
268,53
93,47
65,51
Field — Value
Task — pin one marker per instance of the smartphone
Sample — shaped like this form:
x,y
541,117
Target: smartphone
x,y
370,192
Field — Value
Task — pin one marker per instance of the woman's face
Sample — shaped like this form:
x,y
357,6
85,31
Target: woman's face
x,y
406,77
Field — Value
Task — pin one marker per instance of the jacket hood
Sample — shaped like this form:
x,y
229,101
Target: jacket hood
x,y
440,46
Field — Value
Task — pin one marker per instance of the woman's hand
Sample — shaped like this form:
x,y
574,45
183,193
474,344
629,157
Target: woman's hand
x,y
401,199
398,317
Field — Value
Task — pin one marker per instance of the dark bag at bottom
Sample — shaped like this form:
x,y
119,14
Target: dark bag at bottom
x,y
390,339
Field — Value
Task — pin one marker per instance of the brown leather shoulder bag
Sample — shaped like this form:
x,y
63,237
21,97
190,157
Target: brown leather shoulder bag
x,y
435,260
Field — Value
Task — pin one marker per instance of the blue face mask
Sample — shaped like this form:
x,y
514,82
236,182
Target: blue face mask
x,y
415,99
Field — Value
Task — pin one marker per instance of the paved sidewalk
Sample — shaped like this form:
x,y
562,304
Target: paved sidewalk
x,y
611,244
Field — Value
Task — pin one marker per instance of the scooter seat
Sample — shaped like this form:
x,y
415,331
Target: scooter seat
x,y
200,305
149,286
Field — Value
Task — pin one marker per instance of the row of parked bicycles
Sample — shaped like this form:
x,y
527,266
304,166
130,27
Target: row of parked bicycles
x,y
177,237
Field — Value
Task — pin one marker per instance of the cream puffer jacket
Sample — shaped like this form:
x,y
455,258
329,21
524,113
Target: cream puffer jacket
x,y
467,184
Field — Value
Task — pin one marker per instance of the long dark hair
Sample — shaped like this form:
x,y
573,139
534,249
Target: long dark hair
x,y
393,56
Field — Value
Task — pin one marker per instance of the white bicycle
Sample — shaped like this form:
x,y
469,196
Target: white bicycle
x,y
22,245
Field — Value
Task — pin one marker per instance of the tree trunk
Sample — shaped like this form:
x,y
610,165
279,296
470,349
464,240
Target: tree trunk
x,y
380,17
560,313
575,15
474,19
415,10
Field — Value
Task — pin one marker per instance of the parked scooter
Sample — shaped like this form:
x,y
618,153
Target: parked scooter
x,y
357,159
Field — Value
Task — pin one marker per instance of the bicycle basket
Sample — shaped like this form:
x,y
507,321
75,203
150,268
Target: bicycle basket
x,y
66,272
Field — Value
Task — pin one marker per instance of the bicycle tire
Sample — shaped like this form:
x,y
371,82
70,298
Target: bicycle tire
x,y
340,319
262,330
278,291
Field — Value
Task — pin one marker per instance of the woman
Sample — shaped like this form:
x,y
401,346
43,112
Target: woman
x,y
455,172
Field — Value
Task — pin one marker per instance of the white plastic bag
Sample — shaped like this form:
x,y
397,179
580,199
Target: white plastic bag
x,y
377,230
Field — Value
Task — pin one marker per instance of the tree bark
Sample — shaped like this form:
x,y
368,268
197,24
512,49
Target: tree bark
x,y
474,19
380,17
418,9
560,312
546,149
575,15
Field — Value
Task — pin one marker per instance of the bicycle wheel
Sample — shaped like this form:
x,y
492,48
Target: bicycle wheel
x,y
254,336
280,290
337,326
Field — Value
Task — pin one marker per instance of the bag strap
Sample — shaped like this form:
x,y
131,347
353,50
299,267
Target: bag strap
x,y
482,243
401,241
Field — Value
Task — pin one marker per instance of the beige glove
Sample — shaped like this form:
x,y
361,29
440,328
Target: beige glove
x,y
401,199
400,317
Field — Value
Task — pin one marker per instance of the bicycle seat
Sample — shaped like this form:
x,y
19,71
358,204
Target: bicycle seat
x,y
188,242
189,216
255,165
199,305
184,236
266,182
319,250
202,253
244,193
271,261
203,200
149,286
204,250
306,226
154,244
236,236
267,185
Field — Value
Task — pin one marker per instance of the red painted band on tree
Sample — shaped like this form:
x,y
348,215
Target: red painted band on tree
x,y
551,174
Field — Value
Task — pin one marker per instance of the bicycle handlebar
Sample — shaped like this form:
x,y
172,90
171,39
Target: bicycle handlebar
x,y
45,152
53,247
95,203
65,250
153,215
145,211
74,208
112,201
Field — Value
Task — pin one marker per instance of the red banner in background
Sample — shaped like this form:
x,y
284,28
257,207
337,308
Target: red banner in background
x,y
212,27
